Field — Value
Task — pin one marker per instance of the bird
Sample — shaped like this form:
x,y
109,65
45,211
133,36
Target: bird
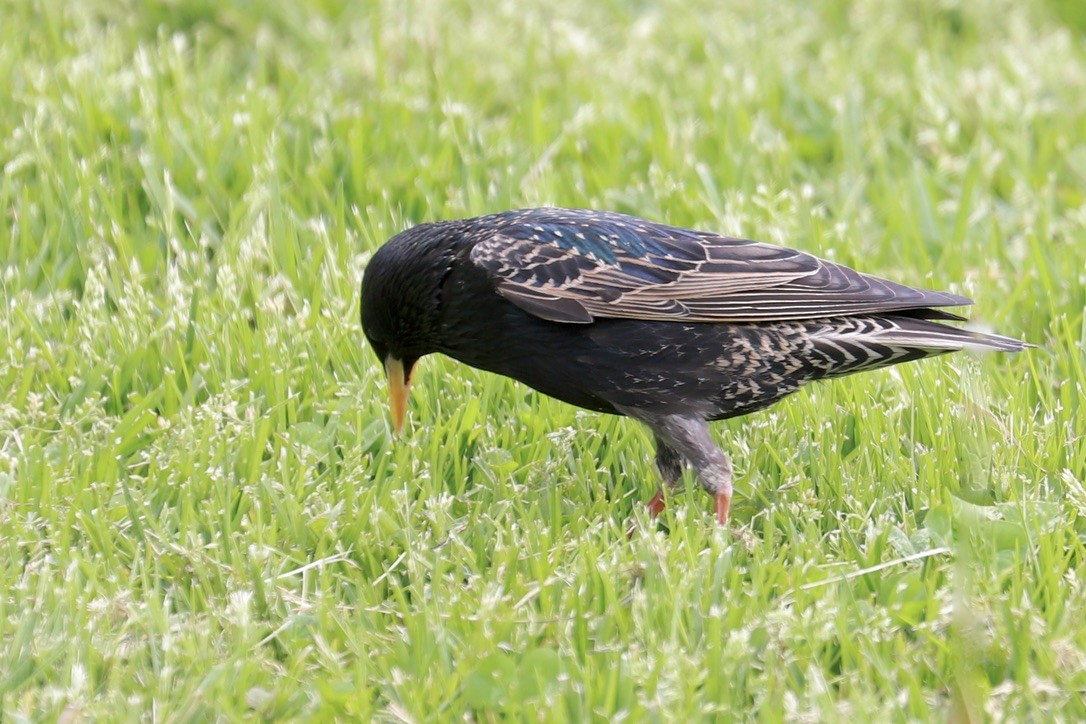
x,y
670,326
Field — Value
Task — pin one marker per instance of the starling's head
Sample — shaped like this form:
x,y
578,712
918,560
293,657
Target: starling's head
x,y
401,299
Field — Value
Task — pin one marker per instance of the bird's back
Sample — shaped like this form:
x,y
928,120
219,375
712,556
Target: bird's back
x,y
613,313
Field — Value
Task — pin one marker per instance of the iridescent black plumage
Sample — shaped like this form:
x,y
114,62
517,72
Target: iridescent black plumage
x,y
617,314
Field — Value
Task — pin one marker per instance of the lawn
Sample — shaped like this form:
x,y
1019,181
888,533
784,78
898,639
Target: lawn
x,y
204,514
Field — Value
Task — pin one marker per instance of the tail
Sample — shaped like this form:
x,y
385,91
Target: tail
x,y
923,334
854,344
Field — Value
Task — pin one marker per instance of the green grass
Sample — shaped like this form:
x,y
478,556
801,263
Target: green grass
x,y
203,513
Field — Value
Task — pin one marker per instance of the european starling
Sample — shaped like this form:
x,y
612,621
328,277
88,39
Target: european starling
x,y
670,326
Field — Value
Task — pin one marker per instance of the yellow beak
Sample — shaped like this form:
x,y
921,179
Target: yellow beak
x,y
398,384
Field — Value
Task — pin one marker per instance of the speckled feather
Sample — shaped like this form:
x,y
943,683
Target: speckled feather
x,y
671,326
577,266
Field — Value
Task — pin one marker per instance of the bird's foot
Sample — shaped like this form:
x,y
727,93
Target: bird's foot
x,y
655,506
723,505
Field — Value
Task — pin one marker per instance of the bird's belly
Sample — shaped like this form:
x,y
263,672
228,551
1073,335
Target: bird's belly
x,y
563,380
546,356
715,371
711,371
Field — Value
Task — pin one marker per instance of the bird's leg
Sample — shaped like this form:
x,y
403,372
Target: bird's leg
x,y
690,438
657,504
670,465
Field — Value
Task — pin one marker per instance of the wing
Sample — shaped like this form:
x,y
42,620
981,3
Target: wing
x,y
576,266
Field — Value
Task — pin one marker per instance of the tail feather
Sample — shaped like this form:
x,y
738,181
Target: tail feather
x,y
926,334
930,313
845,345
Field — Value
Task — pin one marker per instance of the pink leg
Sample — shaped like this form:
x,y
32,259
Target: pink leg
x,y
656,505
723,505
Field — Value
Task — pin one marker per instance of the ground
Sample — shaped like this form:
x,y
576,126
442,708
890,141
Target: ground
x,y
203,512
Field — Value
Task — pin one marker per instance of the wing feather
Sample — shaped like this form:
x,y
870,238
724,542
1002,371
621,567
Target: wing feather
x,y
577,266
